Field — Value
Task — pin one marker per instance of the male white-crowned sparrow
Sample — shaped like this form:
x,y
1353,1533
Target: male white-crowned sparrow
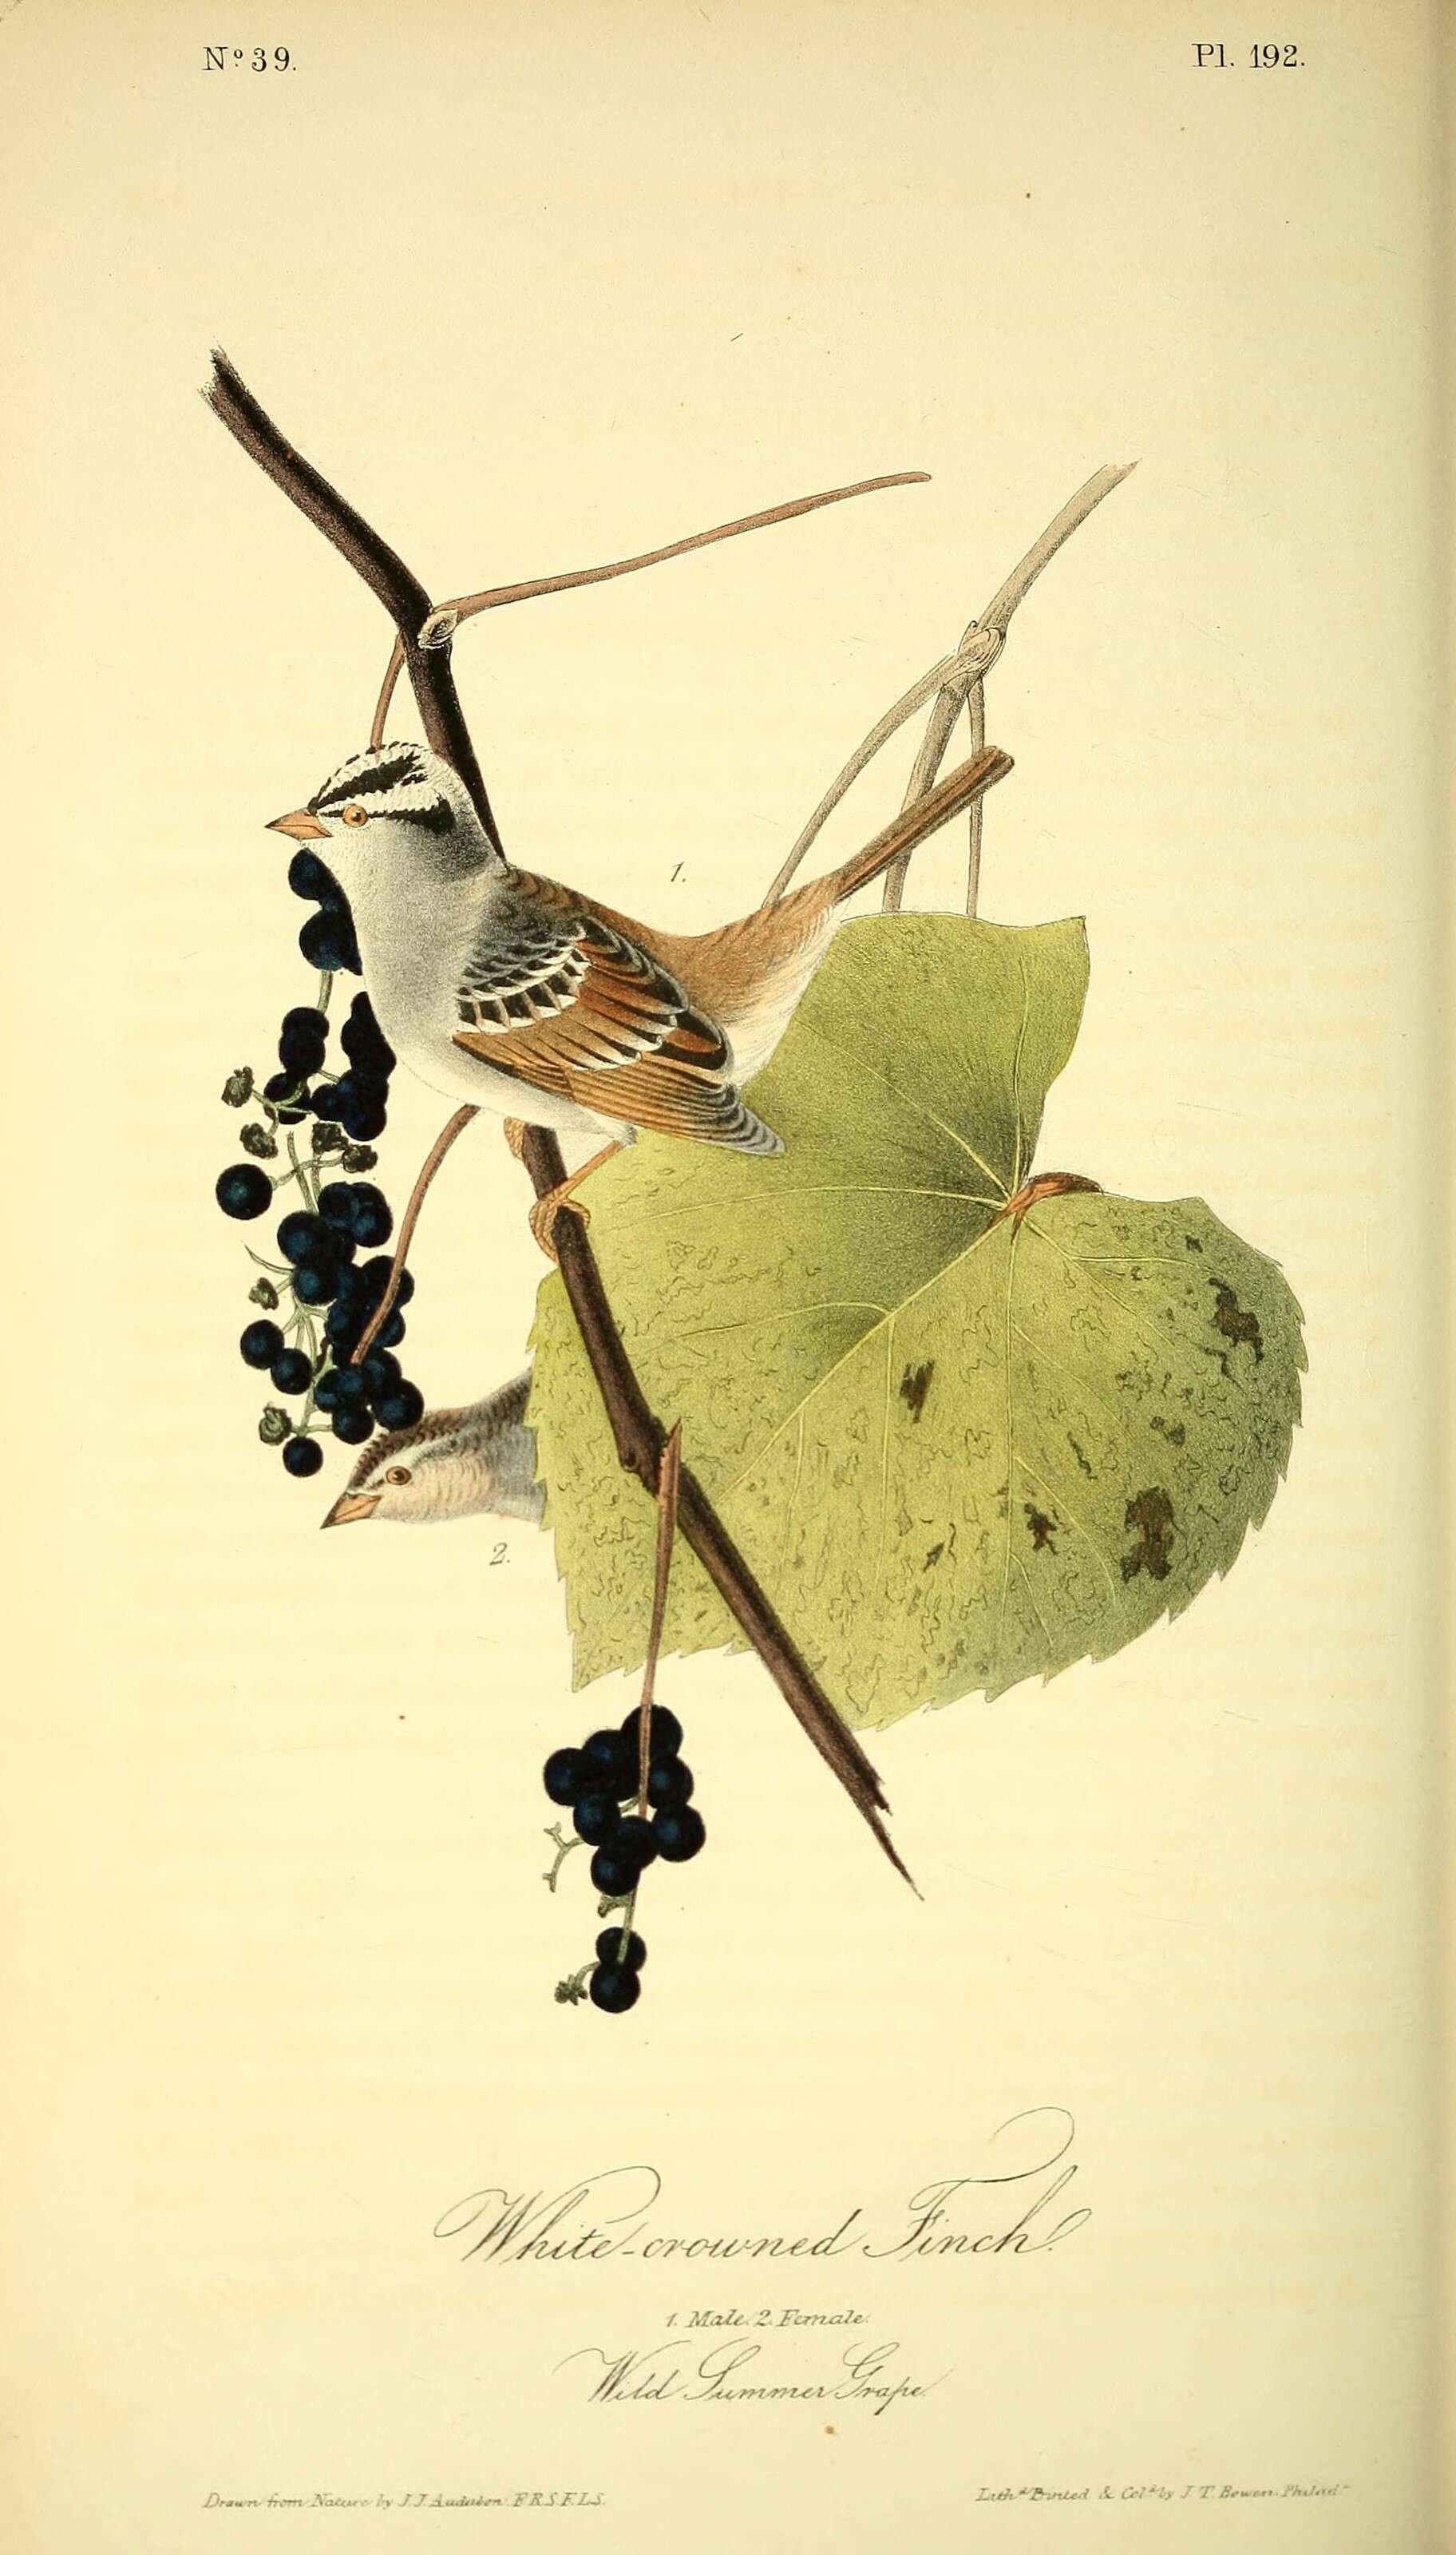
x,y
516,994
473,1462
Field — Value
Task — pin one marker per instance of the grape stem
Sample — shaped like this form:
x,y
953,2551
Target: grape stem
x,y
452,1127
310,1194
668,1480
564,1845
638,1433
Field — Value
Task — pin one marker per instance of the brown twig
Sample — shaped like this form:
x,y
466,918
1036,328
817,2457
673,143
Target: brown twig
x,y
639,1439
668,1480
452,1127
638,1435
441,624
987,635
956,681
945,670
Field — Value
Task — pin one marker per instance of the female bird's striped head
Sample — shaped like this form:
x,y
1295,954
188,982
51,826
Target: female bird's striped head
x,y
471,1462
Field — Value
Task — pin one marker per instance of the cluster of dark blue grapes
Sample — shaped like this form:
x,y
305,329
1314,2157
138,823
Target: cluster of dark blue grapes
x,y
325,1292
328,938
593,1781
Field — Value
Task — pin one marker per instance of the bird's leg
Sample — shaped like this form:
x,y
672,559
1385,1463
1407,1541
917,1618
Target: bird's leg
x,y
561,1199
544,1214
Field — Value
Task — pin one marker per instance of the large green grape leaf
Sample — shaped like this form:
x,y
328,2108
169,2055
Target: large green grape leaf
x,y
958,1445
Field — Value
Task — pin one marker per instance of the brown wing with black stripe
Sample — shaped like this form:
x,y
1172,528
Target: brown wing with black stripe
x,y
564,998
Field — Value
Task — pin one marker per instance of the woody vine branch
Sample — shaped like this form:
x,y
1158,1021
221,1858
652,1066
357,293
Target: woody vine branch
x,y
638,1435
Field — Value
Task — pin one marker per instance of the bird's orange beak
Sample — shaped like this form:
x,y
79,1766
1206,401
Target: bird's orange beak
x,y
303,828
351,1505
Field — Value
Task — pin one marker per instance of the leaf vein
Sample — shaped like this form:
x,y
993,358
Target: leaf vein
x,y
1165,1344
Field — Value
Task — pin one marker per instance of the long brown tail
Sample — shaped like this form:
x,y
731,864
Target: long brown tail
x,y
959,787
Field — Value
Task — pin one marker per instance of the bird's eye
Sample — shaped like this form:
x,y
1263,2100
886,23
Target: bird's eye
x,y
354,814
399,1475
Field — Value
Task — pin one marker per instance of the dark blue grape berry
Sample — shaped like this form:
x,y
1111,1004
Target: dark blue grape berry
x,y
289,1097
370,1220
374,1278
359,1106
613,1874
327,941
259,1343
316,1281
300,1235
401,1406
340,1388
291,1371
392,1333
614,1991
303,1041
308,878
669,1783
610,1751
345,1321
353,1426
380,1369
302,1456
564,1776
679,1835
610,1953
667,1732
244,1191
596,1818
337,1205
364,1041
635,1837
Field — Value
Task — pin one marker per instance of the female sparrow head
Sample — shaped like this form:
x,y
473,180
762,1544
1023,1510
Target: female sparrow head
x,y
472,1462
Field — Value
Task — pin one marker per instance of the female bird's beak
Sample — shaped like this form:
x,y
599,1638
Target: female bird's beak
x,y
350,1505
303,827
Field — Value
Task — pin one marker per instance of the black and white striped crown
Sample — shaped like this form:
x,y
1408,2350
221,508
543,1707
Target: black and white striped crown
x,y
404,781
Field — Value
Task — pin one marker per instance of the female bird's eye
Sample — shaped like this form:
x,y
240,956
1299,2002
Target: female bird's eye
x,y
399,1474
354,814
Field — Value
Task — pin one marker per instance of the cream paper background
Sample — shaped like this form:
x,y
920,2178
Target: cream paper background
x,y
542,286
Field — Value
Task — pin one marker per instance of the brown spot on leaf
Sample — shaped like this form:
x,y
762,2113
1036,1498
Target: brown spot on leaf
x,y
914,1383
1041,1530
932,1557
1081,1458
1233,1323
1174,1434
1152,1515
1189,1244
